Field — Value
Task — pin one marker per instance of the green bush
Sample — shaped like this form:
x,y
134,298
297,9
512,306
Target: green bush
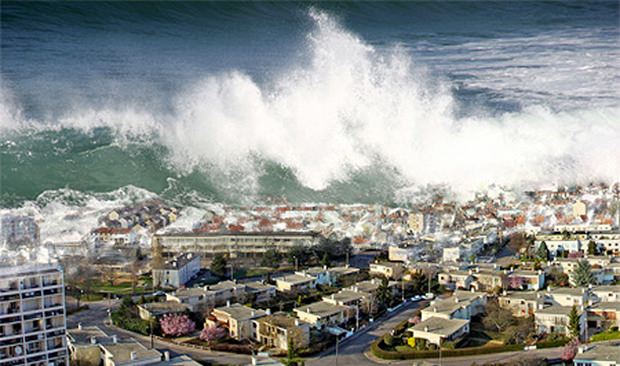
x,y
388,340
378,350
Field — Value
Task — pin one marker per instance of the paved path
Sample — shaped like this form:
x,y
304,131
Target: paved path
x,y
351,351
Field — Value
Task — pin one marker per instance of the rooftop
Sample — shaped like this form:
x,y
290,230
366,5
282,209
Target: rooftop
x,y
280,320
321,308
608,288
241,312
523,295
606,306
557,310
83,335
441,326
182,360
294,279
244,233
226,285
121,352
600,352
346,296
572,291
160,308
177,262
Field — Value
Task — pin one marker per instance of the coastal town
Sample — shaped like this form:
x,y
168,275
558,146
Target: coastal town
x,y
504,278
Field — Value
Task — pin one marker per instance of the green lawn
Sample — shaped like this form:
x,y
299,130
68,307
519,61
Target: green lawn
x,y
606,336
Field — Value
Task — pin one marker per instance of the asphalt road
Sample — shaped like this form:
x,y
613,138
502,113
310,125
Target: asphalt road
x,y
97,314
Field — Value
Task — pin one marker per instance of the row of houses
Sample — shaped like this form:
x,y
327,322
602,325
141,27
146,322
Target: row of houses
x,y
551,308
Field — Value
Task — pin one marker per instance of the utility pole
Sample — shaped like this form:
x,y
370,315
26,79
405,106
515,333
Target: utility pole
x,y
337,341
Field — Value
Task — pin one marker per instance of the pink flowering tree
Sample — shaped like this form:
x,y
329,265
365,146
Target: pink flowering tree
x,y
212,333
516,282
570,350
176,325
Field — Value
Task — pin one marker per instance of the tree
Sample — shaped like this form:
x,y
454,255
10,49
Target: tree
x,y
176,325
582,274
574,324
212,333
592,248
291,353
384,293
218,265
496,318
570,350
271,258
543,252
325,260
299,254
388,339
557,278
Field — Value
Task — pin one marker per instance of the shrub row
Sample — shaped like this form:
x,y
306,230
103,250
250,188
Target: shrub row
x,y
377,348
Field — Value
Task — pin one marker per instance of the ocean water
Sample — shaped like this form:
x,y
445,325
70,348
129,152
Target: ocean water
x,y
102,104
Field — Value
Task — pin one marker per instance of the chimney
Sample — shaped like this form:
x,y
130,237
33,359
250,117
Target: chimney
x,y
456,299
324,267
80,326
504,293
227,303
333,296
133,355
268,311
426,328
296,322
114,338
254,360
93,340
541,306
166,355
548,288
472,290
253,313
540,272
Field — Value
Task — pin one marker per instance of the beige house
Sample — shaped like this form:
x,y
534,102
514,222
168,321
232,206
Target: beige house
x,y
389,270
276,330
295,283
567,296
323,313
521,303
260,291
238,319
225,291
437,330
456,279
555,319
461,305
371,286
607,311
530,280
195,298
606,293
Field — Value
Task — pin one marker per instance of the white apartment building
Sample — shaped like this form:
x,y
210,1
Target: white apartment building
x,y
177,271
32,316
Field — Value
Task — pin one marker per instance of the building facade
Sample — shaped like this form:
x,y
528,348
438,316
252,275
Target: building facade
x,y
32,316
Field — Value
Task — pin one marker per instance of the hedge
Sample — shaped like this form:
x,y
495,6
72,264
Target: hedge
x,y
605,336
378,351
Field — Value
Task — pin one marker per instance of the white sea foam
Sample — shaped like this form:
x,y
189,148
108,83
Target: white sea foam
x,y
353,106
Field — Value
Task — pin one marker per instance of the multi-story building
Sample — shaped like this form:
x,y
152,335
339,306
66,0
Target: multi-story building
x,y
393,271
32,316
232,244
237,319
279,329
521,303
606,293
17,230
177,271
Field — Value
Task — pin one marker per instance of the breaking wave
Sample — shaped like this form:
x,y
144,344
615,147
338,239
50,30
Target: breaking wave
x,y
348,109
